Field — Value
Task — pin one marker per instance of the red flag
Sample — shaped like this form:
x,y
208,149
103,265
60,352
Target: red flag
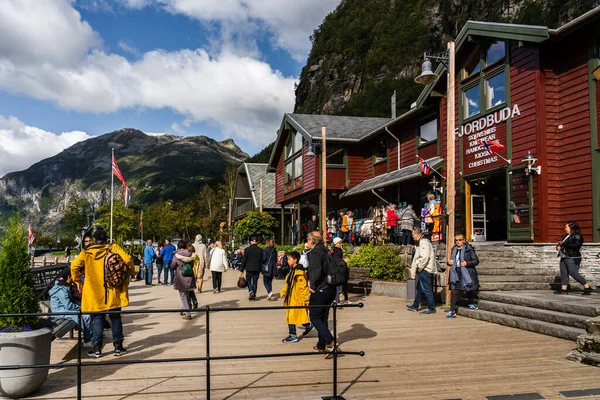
x,y
491,147
31,236
141,220
424,165
117,171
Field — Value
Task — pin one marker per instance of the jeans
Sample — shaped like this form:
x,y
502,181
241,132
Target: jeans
x,y
342,289
406,237
116,326
148,268
292,328
268,282
319,316
159,270
193,300
424,287
570,266
217,279
167,270
184,300
252,280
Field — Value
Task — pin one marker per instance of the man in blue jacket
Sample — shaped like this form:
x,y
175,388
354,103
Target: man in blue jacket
x,y
149,257
167,255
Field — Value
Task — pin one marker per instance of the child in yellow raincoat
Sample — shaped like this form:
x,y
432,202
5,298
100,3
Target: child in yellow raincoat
x,y
295,293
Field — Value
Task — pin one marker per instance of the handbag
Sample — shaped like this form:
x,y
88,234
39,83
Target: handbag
x,y
241,283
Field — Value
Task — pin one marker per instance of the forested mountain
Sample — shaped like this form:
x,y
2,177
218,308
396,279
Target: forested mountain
x,y
366,49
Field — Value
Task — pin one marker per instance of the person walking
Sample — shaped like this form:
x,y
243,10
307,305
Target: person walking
x,y
463,275
340,220
423,266
191,293
149,257
312,224
181,283
429,214
295,293
219,263
570,259
338,255
269,267
97,298
202,254
68,253
347,227
321,293
159,263
167,253
408,218
252,263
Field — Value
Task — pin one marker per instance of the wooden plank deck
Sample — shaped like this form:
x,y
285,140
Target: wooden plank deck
x,y
408,356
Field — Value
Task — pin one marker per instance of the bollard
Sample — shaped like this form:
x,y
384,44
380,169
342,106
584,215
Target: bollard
x,y
44,261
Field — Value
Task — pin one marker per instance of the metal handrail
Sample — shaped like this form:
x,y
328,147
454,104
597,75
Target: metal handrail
x,y
208,358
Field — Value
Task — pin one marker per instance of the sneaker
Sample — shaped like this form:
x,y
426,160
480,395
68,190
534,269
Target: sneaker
x,y
270,296
318,350
451,314
561,292
330,347
214,291
291,339
308,330
427,312
253,297
473,307
587,291
411,308
119,349
187,317
96,352
348,302
250,296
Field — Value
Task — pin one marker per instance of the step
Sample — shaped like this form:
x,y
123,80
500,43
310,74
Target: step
x,y
572,304
517,278
506,286
517,271
546,328
511,265
555,317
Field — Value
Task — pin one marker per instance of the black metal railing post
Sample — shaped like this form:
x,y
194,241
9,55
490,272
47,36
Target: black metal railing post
x,y
79,344
335,353
207,352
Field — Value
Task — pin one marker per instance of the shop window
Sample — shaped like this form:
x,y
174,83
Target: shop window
x,y
335,156
519,208
428,131
472,103
496,90
380,150
495,51
473,64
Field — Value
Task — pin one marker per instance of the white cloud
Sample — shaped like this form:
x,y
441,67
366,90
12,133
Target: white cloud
x,y
44,31
289,22
22,146
241,94
128,48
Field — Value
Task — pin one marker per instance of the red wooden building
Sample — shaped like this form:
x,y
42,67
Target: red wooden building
x,y
530,88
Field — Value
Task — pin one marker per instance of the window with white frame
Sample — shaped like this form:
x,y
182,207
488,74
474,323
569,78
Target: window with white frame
x,y
293,161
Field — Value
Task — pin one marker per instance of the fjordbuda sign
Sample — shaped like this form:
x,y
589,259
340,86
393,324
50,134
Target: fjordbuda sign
x,y
490,127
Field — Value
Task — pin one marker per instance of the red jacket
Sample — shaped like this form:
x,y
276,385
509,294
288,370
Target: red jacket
x,y
392,218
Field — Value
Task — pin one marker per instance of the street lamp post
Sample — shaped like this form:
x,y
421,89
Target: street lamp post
x,y
428,76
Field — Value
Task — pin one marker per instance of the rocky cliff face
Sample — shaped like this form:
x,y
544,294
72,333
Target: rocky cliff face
x,y
154,166
366,49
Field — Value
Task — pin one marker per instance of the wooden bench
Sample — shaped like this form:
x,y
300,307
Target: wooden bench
x,y
62,327
359,277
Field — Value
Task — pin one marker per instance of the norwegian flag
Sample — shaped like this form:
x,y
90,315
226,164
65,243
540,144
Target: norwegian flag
x,y
491,147
31,236
117,171
141,220
425,167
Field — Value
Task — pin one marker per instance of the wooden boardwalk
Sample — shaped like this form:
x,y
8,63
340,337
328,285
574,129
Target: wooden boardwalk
x,y
408,356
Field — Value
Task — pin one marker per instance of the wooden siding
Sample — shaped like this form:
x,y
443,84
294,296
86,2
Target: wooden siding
x,y
427,151
279,178
356,164
575,142
311,170
336,178
380,168
408,145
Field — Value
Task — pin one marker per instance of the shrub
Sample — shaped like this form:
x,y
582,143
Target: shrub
x,y
256,224
17,290
384,261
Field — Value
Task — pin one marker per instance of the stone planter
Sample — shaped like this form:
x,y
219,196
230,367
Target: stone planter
x,y
24,348
390,289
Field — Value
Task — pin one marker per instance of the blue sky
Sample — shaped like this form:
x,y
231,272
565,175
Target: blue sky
x,y
71,69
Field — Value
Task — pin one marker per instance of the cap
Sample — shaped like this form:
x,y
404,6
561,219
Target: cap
x,y
337,240
253,239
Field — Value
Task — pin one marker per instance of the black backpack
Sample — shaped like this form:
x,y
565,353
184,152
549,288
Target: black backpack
x,y
336,272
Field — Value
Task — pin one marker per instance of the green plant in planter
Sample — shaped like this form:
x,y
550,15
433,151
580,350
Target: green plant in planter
x,y
384,261
17,290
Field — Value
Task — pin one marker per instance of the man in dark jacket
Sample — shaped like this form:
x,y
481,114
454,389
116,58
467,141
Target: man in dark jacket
x,y
312,224
251,263
320,292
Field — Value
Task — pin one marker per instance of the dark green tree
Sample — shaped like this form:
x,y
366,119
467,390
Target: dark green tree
x,y
17,290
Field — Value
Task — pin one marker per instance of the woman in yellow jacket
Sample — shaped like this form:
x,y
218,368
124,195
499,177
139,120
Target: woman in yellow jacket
x,y
295,293
96,299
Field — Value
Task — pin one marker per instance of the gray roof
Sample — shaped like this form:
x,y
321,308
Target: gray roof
x,y
255,172
339,128
391,178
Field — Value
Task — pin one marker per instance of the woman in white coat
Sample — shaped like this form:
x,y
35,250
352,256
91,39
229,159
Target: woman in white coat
x,y
218,264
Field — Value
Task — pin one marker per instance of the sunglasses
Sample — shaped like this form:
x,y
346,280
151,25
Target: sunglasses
x,y
459,240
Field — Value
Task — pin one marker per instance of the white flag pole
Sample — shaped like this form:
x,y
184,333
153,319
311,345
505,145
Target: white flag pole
x,y
112,184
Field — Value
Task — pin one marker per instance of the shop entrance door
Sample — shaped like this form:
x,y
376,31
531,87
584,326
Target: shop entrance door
x,y
478,218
